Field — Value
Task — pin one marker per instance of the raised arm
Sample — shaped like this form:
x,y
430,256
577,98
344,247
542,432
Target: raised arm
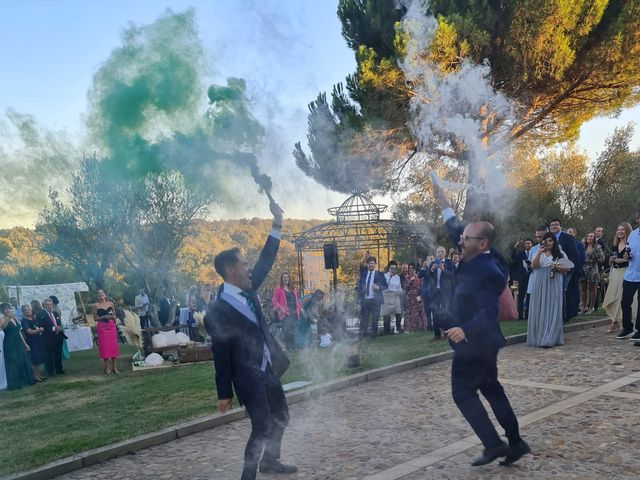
x,y
270,249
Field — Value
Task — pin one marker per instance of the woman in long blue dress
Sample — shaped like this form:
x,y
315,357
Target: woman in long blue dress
x,y
17,364
544,325
35,340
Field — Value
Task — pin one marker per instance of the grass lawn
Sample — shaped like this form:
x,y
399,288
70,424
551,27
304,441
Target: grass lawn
x,y
86,409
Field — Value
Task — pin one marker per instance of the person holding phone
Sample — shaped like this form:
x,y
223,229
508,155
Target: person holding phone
x,y
104,312
544,325
440,290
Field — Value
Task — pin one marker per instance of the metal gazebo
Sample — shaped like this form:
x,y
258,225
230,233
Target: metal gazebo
x,y
357,226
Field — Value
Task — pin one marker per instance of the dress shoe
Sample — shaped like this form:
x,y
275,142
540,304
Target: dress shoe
x,y
276,466
624,334
636,344
490,454
516,452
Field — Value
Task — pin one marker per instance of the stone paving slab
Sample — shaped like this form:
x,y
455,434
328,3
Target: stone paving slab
x,y
397,422
597,442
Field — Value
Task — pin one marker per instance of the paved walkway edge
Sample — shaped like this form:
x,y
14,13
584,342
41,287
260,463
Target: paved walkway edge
x,y
119,449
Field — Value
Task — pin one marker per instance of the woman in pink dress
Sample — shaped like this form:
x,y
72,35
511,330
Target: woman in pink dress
x,y
104,313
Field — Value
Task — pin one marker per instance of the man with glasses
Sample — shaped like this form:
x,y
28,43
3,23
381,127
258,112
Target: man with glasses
x,y
475,336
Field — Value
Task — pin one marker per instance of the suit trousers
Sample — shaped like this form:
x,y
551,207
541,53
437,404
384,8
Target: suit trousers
x,y
629,290
440,309
369,315
470,374
523,283
269,413
53,350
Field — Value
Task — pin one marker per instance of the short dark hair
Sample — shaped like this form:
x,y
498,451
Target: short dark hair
x,y
555,220
4,306
371,258
528,240
225,260
542,228
54,299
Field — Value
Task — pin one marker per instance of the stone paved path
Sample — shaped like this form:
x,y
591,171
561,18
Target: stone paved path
x,y
578,406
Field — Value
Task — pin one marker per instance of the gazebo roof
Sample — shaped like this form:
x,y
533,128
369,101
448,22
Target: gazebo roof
x,y
357,227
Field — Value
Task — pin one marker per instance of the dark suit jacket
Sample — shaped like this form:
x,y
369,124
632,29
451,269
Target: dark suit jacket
x,y
378,279
570,247
164,309
423,274
446,279
582,256
520,273
478,285
50,337
238,342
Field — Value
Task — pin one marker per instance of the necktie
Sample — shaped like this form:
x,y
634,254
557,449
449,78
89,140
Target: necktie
x,y
53,320
368,284
266,354
250,303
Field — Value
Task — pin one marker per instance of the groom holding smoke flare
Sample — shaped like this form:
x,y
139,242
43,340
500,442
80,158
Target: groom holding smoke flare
x,y
475,336
247,358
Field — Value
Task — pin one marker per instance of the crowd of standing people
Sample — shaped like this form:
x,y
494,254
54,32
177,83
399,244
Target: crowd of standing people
x,y
32,340
560,276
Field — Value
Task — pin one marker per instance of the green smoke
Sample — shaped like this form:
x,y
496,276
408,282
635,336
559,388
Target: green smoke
x,y
148,109
32,159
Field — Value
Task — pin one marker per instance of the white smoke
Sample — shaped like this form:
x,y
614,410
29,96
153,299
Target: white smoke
x,y
450,106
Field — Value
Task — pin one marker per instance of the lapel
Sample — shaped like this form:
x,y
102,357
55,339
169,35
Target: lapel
x,y
240,307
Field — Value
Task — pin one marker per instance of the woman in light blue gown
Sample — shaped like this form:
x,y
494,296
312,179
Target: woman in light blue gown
x,y
544,325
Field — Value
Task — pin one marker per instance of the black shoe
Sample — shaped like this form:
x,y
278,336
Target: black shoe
x,y
61,372
636,344
490,454
635,336
516,452
275,466
624,334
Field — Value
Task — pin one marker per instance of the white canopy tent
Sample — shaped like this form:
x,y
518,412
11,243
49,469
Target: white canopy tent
x,y
64,291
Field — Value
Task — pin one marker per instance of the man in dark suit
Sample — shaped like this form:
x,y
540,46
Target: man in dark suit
x,y
570,286
440,278
49,320
371,284
164,309
475,336
247,357
520,257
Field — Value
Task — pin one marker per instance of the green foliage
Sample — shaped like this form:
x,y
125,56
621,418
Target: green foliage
x,y
611,194
84,224
561,63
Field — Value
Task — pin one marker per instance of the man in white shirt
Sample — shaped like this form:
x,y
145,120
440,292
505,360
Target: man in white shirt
x,y
392,296
631,285
142,305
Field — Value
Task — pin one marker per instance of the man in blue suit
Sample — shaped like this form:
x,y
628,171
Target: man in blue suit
x,y
246,355
570,281
520,257
441,283
475,336
371,284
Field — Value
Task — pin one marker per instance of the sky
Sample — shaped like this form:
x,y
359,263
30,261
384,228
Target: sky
x,y
288,51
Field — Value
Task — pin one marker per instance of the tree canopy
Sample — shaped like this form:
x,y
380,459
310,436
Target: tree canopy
x,y
558,63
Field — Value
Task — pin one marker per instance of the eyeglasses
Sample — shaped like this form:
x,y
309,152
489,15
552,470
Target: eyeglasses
x,y
467,237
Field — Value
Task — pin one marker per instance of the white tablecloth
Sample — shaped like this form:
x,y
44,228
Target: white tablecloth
x,y
79,338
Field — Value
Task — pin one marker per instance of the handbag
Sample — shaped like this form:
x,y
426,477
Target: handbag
x,y
507,308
